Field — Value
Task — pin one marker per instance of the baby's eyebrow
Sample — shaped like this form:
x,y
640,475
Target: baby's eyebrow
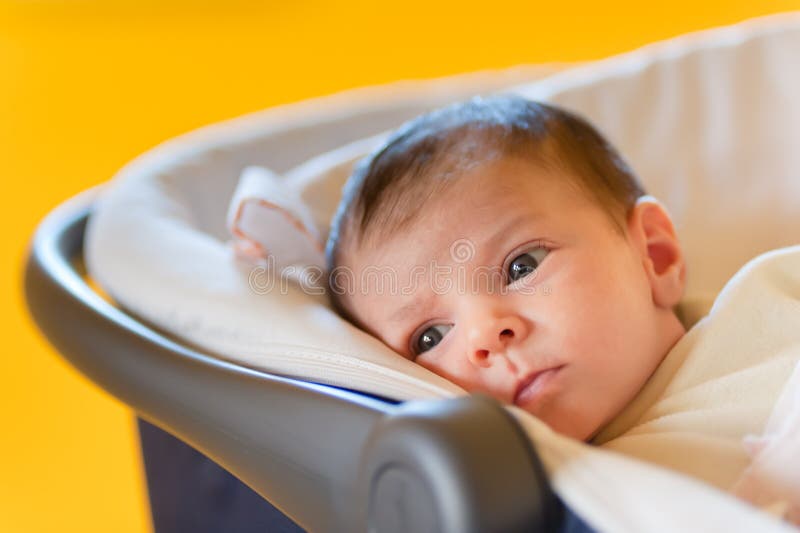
x,y
413,307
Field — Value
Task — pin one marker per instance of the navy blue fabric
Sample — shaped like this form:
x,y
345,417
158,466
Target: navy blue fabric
x,y
572,523
189,493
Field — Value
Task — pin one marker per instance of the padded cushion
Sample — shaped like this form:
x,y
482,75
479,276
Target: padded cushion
x,y
708,121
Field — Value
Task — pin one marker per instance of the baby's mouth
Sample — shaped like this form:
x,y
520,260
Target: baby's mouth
x,y
534,384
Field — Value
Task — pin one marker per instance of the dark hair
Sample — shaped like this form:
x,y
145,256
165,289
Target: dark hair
x,y
426,155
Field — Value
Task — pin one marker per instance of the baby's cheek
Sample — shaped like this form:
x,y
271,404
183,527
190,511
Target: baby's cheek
x,y
459,371
444,366
577,316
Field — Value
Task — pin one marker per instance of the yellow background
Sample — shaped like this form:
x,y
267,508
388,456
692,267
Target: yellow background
x,y
86,85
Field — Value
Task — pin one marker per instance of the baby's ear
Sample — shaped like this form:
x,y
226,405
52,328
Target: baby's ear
x,y
652,232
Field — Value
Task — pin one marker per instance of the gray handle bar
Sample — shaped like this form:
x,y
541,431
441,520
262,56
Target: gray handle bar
x,y
331,459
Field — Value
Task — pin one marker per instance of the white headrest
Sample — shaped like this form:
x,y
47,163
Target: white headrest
x,y
710,122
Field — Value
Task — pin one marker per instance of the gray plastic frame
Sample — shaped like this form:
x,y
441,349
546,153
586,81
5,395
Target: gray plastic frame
x,y
330,459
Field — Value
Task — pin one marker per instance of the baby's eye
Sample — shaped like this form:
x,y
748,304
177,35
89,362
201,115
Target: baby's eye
x,y
524,264
429,338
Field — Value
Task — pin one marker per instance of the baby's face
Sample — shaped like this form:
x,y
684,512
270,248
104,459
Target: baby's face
x,y
515,284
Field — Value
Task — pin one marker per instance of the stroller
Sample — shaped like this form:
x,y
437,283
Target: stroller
x,y
333,433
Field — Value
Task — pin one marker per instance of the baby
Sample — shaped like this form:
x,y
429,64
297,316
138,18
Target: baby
x,y
524,259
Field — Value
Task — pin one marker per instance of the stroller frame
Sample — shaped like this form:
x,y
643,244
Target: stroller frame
x,y
331,459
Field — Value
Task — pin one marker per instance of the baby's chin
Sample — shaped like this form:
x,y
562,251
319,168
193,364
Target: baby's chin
x,y
580,428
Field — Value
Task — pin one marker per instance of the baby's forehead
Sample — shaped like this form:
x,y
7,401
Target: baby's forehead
x,y
412,203
471,207
438,234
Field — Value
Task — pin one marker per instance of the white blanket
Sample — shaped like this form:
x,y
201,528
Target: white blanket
x,y
773,478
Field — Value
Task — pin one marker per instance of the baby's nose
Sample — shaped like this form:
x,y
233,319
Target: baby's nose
x,y
493,336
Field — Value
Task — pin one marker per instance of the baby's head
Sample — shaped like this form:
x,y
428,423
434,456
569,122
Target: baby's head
x,y
504,245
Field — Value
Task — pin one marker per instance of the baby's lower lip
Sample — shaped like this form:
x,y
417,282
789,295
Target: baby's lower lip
x,y
536,389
